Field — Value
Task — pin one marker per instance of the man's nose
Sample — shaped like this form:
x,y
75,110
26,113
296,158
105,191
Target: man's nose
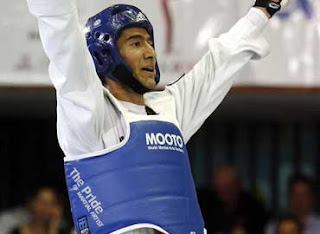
x,y
149,52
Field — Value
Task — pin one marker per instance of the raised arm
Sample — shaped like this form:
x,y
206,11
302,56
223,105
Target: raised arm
x,y
200,91
80,101
64,43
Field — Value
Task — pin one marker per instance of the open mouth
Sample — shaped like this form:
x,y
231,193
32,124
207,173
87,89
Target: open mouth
x,y
148,69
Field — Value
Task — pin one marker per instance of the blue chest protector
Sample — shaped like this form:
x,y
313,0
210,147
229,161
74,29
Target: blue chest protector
x,y
146,181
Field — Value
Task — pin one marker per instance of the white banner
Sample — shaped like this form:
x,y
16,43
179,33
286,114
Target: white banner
x,y
182,29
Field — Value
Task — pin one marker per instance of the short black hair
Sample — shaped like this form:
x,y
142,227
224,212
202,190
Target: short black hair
x,y
300,178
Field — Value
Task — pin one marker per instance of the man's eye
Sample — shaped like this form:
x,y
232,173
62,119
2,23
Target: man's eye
x,y
136,44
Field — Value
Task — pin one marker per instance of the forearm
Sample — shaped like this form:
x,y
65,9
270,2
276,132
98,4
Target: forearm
x,y
199,93
247,29
51,8
264,10
71,66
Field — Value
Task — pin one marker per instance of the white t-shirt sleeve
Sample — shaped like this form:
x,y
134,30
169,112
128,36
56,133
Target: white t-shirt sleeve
x,y
199,92
84,115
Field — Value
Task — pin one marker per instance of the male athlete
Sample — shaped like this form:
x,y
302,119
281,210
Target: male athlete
x,y
126,163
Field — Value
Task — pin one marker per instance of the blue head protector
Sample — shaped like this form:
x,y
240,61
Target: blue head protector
x,y
102,32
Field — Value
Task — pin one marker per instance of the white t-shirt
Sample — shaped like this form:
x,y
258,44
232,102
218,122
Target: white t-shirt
x,y
88,122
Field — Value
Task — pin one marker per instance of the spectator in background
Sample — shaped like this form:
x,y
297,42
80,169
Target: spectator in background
x,y
13,217
226,205
288,225
46,215
301,203
238,228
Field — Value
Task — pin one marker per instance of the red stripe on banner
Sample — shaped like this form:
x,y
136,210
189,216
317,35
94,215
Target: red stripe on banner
x,y
168,19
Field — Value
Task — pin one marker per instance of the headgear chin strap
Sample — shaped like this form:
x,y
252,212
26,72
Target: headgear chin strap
x,y
102,32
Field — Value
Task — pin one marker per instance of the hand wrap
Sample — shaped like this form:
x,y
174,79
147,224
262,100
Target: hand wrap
x,y
271,6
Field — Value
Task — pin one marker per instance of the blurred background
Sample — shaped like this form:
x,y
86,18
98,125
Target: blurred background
x,y
255,161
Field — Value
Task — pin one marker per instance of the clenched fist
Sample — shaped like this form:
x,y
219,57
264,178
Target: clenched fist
x,y
269,7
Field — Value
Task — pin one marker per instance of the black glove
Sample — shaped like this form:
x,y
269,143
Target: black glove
x,y
271,6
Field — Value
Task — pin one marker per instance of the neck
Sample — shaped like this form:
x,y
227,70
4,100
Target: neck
x,y
34,227
124,93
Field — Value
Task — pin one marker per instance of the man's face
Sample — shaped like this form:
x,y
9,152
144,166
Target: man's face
x,y
288,227
43,205
225,184
301,198
135,47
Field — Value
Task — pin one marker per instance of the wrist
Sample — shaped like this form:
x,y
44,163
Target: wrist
x,y
269,7
264,10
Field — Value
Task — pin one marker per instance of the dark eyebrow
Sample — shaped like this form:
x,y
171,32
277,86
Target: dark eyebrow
x,y
134,37
137,37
